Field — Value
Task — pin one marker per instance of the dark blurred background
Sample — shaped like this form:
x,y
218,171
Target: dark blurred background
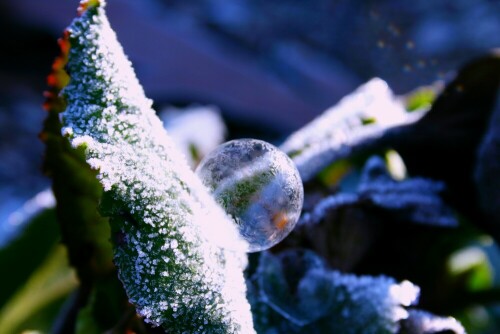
x,y
270,66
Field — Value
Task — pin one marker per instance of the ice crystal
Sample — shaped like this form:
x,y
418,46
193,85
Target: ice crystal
x,y
160,212
359,117
294,292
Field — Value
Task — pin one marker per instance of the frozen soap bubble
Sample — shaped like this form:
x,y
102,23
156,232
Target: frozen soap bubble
x,y
258,186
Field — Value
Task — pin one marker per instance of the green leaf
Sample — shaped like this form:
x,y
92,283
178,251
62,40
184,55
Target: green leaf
x,y
50,283
25,253
470,267
85,322
420,99
161,215
85,233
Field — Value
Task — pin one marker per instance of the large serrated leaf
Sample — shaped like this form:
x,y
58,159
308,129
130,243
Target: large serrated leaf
x,y
159,211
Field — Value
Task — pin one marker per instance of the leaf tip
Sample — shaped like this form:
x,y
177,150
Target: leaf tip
x,y
87,4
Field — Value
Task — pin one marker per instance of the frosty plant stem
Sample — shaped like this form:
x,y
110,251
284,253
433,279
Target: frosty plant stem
x,y
158,210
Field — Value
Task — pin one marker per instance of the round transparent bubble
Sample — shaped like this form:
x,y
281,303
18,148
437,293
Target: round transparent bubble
x,y
258,186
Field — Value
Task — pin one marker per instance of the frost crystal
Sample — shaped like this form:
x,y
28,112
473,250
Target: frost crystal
x,y
310,298
159,209
358,118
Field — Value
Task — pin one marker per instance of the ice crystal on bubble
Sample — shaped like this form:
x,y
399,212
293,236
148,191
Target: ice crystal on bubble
x,y
172,271
258,185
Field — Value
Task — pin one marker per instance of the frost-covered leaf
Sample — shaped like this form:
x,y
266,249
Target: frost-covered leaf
x,y
421,322
84,232
346,128
277,277
310,298
415,199
161,215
